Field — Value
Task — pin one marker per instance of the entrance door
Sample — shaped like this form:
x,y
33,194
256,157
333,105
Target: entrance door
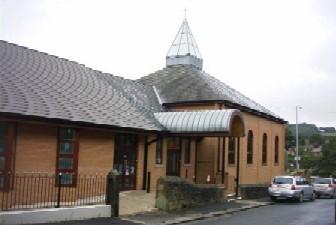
x,y
173,162
125,158
173,156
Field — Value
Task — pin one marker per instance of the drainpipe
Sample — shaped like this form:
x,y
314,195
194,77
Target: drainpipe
x,y
238,164
144,179
223,161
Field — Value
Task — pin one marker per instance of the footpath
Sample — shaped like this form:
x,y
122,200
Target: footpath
x,y
138,208
196,213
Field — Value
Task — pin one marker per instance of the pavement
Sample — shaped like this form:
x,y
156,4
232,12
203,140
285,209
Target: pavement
x,y
137,207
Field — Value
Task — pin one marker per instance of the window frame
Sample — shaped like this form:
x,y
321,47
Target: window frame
x,y
158,152
276,150
9,140
187,150
264,150
73,156
232,151
249,148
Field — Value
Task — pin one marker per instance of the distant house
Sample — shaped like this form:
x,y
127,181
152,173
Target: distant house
x,y
59,116
317,150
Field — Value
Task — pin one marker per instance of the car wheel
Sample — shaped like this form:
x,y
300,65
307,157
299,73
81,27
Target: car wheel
x,y
273,198
300,198
312,198
318,196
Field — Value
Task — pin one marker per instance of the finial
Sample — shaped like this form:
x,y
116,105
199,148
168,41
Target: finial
x,y
185,13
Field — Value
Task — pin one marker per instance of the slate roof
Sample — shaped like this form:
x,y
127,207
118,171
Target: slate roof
x,y
37,84
185,83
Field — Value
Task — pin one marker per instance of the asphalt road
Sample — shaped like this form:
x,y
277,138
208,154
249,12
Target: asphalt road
x,y
318,212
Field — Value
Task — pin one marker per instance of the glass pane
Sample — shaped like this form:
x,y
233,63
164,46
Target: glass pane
x,y
2,181
65,163
2,163
66,148
158,158
129,183
67,134
2,145
66,178
3,129
173,142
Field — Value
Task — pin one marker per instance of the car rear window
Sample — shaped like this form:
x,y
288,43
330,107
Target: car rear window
x,y
322,181
282,180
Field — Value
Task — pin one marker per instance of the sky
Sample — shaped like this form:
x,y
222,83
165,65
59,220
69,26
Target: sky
x,y
279,53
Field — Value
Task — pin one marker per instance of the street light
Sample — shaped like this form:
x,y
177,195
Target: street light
x,y
297,141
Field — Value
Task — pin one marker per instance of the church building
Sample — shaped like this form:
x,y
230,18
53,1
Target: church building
x,y
59,116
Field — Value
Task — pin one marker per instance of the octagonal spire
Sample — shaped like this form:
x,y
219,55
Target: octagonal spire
x,y
184,50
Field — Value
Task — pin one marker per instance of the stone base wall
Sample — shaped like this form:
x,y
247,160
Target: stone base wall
x,y
253,191
174,193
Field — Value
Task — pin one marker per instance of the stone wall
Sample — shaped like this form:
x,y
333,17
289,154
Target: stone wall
x,y
253,191
174,193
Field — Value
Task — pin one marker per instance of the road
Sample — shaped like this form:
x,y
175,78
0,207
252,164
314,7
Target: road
x,y
318,212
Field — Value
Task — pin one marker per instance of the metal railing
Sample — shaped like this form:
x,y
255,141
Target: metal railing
x,y
49,190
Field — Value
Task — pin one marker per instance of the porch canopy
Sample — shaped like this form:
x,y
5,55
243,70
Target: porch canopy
x,y
227,122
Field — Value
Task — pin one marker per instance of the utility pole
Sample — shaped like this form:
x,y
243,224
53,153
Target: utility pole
x,y
297,142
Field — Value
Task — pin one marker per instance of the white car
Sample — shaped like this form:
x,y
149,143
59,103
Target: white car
x,y
325,187
291,187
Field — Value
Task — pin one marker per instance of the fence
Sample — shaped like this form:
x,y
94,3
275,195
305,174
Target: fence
x,y
44,190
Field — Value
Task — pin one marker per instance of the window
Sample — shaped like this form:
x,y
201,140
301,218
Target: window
x,y
276,150
173,143
158,158
7,147
187,151
231,151
264,150
67,156
249,157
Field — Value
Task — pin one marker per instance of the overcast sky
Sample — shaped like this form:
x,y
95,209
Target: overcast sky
x,y
280,53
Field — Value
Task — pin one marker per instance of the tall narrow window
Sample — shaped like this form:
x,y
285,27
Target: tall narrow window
x,y
264,150
249,157
67,156
158,157
231,151
276,150
187,151
7,148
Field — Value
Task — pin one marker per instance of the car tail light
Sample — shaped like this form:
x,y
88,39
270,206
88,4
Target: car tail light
x,y
330,185
270,185
293,187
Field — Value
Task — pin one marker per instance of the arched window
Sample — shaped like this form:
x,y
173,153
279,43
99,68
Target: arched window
x,y
249,158
276,150
264,150
231,152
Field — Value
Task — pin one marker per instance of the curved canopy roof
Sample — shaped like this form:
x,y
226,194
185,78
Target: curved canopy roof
x,y
215,122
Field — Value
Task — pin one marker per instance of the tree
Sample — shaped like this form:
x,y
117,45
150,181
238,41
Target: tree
x,y
289,139
327,165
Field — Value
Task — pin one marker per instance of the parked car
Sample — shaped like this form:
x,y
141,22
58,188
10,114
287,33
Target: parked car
x,y
325,187
291,187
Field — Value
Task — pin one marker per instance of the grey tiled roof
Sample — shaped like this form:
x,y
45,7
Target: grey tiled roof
x,y
37,84
177,84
